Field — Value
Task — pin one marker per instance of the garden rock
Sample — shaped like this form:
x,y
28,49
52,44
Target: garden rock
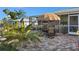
x,y
58,43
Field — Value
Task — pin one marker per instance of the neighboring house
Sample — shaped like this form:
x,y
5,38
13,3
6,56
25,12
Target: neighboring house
x,y
33,19
70,17
25,19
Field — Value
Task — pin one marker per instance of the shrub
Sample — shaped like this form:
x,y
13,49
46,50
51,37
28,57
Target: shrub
x,y
15,38
7,47
64,30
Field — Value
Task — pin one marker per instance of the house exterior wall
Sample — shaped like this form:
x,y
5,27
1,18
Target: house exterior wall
x,y
64,19
26,22
63,24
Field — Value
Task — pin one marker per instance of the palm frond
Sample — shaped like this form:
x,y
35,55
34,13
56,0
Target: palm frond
x,y
28,27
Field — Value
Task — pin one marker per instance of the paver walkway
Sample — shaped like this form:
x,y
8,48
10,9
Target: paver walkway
x,y
58,43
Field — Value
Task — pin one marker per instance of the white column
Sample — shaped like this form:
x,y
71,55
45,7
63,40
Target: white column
x,y
68,23
78,22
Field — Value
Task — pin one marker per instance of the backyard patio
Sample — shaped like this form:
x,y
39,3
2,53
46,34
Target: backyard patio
x,y
58,43
47,32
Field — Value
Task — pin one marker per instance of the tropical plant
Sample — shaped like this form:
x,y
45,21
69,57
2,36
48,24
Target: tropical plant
x,y
18,37
22,34
14,14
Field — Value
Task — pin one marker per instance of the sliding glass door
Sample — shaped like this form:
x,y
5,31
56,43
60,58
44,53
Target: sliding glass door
x,y
73,24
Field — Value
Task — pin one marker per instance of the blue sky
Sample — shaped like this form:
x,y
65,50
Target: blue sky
x,y
32,11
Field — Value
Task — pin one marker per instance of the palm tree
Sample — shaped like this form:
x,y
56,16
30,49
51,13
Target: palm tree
x,y
14,15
